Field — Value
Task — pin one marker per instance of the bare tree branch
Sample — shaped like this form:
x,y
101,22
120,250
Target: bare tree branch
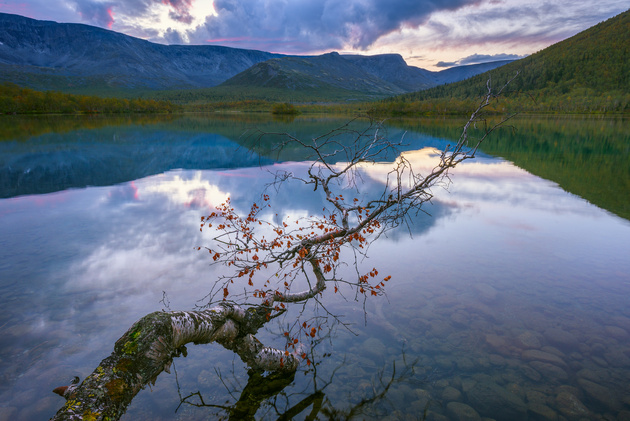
x,y
291,262
290,250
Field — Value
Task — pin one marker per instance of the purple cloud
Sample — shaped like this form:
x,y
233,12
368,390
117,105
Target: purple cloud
x,y
328,24
181,10
99,14
313,26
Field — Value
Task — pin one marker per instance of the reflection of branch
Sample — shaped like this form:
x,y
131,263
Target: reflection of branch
x,y
265,389
364,404
259,388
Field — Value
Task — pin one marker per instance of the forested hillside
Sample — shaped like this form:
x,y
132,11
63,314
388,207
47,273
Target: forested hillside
x,y
589,72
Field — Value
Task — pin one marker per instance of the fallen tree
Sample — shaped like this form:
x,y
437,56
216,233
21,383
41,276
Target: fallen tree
x,y
149,346
290,261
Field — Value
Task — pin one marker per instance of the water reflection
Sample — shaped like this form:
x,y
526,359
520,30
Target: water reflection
x,y
512,295
270,395
60,159
587,156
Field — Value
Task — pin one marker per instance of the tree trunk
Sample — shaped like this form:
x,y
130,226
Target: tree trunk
x,y
149,346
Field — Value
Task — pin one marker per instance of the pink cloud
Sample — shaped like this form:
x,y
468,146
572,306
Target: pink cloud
x,y
111,18
18,9
180,10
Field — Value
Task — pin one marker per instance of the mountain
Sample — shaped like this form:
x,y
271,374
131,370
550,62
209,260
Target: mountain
x,y
455,74
325,72
593,63
393,69
48,55
384,75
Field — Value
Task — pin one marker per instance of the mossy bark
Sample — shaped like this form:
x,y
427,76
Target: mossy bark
x,y
150,345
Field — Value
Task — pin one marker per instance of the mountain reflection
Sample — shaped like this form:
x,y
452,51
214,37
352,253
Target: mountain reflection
x,y
108,156
105,155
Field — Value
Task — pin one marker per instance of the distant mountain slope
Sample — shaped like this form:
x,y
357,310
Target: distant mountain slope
x,y
592,62
49,55
328,71
385,75
455,74
393,69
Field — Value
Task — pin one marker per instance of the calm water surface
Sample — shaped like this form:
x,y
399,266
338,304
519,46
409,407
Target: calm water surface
x,y
510,301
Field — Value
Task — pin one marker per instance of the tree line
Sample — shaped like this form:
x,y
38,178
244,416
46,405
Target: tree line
x,y
18,100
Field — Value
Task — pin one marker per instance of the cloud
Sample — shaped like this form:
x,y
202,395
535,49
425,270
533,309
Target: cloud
x,y
136,16
181,10
328,24
446,64
172,36
478,58
96,13
514,24
426,31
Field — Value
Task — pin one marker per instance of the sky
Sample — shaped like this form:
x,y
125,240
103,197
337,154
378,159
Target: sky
x,y
432,34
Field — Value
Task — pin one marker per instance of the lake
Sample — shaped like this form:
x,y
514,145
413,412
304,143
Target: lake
x,y
509,298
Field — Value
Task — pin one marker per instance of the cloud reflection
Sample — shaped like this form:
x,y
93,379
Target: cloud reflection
x,y
78,267
191,192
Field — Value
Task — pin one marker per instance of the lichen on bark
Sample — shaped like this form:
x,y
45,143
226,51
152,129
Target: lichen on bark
x,y
149,346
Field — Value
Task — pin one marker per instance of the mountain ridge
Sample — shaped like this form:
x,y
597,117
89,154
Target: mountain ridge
x,y
83,54
46,55
384,75
329,70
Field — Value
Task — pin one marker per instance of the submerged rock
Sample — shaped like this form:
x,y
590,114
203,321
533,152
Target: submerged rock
x,y
374,347
460,319
539,411
596,376
527,340
561,338
602,395
458,411
616,357
498,343
537,355
616,332
549,371
530,373
451,394
494,401
570,406
486,292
